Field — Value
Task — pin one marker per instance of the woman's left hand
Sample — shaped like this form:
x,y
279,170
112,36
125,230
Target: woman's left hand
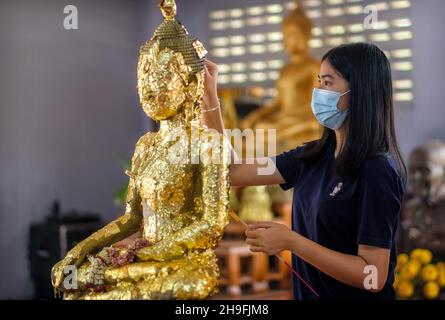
x,y
269,237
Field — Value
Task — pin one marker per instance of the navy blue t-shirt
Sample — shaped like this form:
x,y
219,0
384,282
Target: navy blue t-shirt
x,y
340,214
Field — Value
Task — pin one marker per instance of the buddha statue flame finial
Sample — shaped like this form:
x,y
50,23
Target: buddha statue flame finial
x,y
168,8
173,35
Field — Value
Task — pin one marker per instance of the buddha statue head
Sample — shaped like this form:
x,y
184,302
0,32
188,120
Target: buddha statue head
x,y
296,29
171,69
427,172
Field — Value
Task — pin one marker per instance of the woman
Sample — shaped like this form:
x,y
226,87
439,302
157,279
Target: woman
x,y
348,185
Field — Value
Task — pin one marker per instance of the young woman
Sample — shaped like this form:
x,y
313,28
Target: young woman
x,y
348,185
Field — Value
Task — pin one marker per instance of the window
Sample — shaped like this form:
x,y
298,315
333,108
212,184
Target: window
x,y
247,40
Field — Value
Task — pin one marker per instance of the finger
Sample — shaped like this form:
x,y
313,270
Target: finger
x,y
256,249
252,233
211,67
55,280
209,63
207,72
261,224
254,242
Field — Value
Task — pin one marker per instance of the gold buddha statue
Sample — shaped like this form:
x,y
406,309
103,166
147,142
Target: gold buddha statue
x,y
179,208
290,112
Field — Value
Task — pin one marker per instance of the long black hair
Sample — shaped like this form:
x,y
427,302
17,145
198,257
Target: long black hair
x,y
370,127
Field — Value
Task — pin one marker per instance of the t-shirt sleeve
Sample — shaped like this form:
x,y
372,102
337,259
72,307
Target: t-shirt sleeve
x,y
289,165
379,206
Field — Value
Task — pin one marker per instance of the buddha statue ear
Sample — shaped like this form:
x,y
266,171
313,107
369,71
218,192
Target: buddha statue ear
x,y
197,78
184,71
195,86
194,91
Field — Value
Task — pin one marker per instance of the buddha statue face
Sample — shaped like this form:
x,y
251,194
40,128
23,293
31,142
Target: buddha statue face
x,y
427,172
294,39
163,81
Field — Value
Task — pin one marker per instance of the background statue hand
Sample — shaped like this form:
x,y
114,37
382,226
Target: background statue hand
x,y
249,121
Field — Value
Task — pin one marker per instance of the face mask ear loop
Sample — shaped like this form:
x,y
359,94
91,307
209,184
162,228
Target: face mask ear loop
x,y
346,110
345,93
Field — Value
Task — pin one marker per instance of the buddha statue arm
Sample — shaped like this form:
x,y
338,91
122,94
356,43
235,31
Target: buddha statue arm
x,y
204,233
124,226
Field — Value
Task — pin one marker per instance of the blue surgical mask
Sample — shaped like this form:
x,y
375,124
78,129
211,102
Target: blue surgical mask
x,y
324,106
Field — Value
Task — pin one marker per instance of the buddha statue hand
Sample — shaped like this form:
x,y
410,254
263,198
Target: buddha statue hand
x,y
74,258
115,231
164,250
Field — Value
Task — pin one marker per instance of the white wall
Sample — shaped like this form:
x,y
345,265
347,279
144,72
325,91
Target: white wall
x,y
426,120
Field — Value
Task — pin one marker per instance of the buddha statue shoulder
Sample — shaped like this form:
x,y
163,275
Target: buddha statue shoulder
x,y
178,192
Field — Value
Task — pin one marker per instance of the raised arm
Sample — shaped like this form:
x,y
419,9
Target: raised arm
x,y
248,171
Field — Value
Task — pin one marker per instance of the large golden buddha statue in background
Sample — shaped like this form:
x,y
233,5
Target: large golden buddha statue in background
x,y
176,210
290,112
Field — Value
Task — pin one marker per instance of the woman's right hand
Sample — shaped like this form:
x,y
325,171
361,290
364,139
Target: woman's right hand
x,y
210,98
